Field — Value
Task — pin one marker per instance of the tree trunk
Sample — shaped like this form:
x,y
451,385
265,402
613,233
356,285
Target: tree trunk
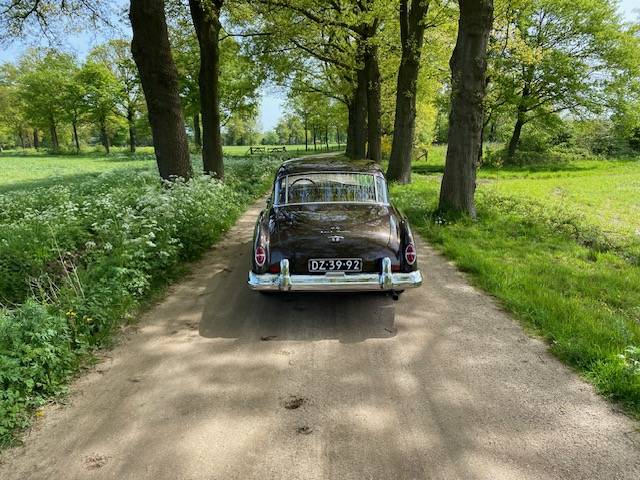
x,y
374,110
315,146
515,136
338,136
306,134
206,20
468,85
520,117
54,135
197,133
326,135
492,132
132,130
412,38
515,140
104,136
349,148
74,124
36,139
21,137
357,129
159,78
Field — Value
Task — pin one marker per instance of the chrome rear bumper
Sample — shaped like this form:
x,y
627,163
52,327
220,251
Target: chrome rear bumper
x,y
335,281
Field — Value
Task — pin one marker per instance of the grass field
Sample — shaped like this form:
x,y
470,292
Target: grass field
x,y
559,246
27,169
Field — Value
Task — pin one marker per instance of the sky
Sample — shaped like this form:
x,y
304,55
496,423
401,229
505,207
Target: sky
x,y
272,98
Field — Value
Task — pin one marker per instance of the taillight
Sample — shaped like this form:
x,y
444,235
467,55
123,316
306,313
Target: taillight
x,y
260,256
274,268
410,254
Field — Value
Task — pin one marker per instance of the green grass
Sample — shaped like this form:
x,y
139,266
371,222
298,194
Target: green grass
x,y
42,170
559,246
30,169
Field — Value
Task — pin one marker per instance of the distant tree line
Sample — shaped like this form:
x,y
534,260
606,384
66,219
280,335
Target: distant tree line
x,y
50,99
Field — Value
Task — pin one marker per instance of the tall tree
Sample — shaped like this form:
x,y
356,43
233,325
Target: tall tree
x,y
44,79
116,55
238,81
101,92
74,102
412,28
13,115
206,20
468,85
373,82
551,56
335,41
159,77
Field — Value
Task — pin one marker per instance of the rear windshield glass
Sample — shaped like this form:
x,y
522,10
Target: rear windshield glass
x,y
330,187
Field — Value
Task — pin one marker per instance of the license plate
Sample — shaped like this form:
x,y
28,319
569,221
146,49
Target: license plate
x,y
335,265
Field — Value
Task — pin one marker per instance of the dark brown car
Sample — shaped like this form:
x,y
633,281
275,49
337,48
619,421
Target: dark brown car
x,y
329,226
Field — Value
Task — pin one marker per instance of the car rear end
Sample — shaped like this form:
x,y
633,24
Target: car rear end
x,y
333,231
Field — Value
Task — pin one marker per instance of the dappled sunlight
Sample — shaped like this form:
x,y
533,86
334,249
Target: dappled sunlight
x,y
441,384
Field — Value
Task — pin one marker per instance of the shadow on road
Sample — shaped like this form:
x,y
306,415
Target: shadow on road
x,y
232,310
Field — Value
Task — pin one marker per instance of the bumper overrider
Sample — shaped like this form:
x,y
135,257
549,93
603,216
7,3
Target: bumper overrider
x,y
335,281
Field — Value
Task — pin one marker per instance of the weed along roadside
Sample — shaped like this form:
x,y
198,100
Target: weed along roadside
x,y
77,259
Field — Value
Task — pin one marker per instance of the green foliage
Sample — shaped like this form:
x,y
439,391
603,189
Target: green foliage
x,y
77,258
557,245
43,82
240,77
555,56
290,130
36,358
101,92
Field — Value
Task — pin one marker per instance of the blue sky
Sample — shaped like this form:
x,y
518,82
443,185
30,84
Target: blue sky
x,y
272,98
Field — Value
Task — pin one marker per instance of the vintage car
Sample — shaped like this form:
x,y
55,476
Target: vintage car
x,y
329,226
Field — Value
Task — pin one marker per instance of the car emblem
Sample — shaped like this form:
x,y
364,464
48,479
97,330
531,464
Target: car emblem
x,y
336,238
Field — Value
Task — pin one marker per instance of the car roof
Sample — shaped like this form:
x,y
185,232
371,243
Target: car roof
x,y
327,164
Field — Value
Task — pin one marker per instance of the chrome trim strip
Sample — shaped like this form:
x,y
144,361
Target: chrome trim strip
x,y
335,281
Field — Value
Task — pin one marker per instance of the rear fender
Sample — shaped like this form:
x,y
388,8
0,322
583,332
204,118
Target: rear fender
x,y
261,237
406,237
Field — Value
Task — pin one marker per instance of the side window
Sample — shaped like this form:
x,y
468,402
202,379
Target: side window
x,y
381,186
279,195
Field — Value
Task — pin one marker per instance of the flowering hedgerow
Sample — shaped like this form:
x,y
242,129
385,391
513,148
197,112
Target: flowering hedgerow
x,y
76,259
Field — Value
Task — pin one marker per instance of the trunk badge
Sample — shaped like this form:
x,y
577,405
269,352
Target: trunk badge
x,y
336,238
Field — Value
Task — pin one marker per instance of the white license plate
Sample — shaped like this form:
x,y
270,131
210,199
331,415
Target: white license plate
x,y
335,265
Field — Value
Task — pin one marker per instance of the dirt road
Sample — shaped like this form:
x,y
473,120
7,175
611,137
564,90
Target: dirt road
x,y
223,383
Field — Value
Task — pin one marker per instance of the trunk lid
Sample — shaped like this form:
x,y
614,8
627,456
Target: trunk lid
x,y
320,231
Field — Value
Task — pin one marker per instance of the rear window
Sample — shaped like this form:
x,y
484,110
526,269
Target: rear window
x,y
330,187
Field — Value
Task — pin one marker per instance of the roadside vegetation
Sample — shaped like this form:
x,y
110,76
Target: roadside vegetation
x,y
559,246
78,257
